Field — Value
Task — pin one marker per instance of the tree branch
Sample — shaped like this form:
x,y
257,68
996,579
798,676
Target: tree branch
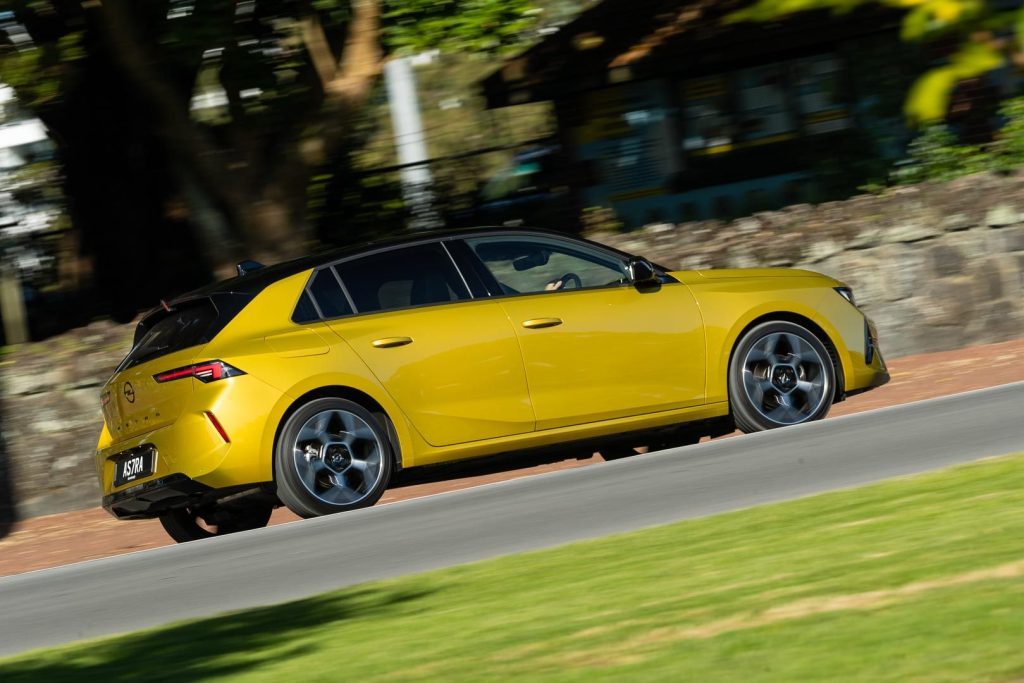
x,y
361,59
346,91
319,49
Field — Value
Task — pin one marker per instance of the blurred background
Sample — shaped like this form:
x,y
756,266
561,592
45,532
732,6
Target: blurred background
x,y
146,146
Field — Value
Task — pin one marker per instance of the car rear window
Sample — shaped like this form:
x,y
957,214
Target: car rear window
x,y
186,325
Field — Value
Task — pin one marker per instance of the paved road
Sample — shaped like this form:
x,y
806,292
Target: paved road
x,y
303,558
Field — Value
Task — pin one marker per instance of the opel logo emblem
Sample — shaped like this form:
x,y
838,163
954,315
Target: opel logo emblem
x,y
129,392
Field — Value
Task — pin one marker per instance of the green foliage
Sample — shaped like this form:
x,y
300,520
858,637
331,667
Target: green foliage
x,y
934,17
928,99
937,154
262,108
455,121
36,73
37,183
482,26
976,24
1007,149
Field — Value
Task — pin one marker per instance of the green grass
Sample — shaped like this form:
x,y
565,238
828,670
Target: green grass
x,y
914,579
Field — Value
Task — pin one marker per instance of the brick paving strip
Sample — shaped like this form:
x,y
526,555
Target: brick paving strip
x,y
69,537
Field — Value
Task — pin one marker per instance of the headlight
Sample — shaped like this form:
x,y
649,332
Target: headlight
x,y
847,294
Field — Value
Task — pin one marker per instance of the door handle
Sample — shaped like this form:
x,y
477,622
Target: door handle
x,y
390,342
538,323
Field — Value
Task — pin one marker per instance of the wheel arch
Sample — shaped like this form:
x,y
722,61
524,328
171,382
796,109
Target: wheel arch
x,y
344,391
804,321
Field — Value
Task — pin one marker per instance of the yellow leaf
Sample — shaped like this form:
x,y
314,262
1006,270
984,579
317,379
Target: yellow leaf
x,y
946,11
928,98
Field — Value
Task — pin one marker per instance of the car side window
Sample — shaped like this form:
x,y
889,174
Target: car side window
x,y
527,264
304,310
399,278
328,295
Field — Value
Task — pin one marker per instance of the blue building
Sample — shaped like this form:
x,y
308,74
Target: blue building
x,y
667,111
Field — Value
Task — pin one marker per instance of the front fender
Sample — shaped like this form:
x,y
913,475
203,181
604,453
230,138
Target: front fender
x,y
730,307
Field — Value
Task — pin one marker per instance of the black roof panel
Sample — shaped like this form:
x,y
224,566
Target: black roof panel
x,y
256,281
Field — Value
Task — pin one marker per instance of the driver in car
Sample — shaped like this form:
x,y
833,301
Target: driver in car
x,y
554,284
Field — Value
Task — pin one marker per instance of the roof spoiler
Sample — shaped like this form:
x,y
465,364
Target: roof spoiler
x,y
246,267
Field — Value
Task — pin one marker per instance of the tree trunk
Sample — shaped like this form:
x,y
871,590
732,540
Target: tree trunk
x,y
148,188
121,195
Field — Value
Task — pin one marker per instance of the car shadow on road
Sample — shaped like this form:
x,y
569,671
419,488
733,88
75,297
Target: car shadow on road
x,y
212,649
494,464
578,453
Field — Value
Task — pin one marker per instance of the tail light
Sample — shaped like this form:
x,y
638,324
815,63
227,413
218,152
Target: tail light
x,y
207,372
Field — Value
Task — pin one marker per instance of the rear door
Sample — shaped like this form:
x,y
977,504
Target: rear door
x,y
451,363
595,348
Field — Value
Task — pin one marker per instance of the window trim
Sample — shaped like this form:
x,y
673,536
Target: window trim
x,y
298,301
308,291
470,268
468,263
344,290
375,252
462,276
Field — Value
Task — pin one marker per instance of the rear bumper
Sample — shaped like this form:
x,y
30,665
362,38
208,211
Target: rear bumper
x,y
217,439
190,447
153,497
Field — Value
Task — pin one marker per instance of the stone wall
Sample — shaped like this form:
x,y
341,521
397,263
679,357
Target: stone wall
x,y
50,416
936,266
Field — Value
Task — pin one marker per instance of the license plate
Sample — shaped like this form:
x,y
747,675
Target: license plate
x,y
134,466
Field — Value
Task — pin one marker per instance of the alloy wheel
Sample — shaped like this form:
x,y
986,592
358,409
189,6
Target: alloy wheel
x,y
785,378
338,457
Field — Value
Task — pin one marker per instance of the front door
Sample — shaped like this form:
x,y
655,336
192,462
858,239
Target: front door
x,y
595,348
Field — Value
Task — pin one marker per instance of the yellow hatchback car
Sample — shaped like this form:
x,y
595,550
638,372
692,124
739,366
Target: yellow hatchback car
x,y
310,382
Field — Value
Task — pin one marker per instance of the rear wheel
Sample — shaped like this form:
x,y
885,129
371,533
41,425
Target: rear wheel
x,y
193,524
332,455
780,374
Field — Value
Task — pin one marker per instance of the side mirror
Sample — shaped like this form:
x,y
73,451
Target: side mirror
x,y
642,273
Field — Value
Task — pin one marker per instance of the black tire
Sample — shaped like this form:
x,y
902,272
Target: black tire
x,y
311,493
770,365
192,524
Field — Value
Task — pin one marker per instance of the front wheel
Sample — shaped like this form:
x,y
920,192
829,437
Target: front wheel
x,y
196,523
332,455
780,374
